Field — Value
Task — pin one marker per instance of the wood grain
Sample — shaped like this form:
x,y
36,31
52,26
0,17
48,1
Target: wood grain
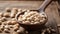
x,y
51,10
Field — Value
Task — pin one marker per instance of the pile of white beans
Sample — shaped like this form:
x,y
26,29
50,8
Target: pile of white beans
x,y
8,23
32,17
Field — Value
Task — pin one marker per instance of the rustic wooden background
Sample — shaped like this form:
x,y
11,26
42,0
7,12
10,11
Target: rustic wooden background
x,y
53,10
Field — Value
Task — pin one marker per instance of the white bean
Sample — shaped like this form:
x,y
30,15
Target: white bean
x,y
6,30
6,14
8,10
13,12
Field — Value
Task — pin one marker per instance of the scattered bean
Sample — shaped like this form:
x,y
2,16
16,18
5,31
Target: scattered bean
x,y
13,12
8,10
6,14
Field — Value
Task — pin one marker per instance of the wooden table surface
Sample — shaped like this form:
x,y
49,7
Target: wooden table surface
x,y
51,10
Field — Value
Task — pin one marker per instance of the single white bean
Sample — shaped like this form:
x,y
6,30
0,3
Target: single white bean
x,y
13,12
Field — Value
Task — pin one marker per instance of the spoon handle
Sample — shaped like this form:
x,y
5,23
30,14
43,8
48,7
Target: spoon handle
x,y
44,4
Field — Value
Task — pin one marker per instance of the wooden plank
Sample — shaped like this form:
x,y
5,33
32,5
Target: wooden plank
x,y
52,13
20,4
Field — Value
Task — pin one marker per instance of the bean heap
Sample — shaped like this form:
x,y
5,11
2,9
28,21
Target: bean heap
x,y
8,23
32,17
